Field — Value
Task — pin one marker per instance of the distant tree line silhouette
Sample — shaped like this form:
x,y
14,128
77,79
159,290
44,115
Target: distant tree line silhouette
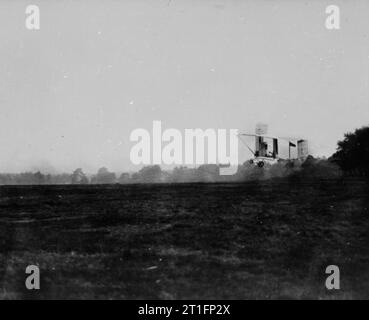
x,y
154,174
353,152
30,178
352,158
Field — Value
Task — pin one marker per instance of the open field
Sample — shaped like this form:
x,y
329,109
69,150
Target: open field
x,y
255,240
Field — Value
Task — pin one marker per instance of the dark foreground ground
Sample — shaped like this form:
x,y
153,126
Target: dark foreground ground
x,y
191,241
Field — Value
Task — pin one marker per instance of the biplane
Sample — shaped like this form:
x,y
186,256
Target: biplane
x,y
267,146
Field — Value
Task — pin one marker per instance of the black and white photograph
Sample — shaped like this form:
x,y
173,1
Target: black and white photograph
x,y
184,150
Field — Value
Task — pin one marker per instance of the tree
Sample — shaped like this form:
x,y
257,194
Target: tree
x,y
39,178
78,177
353,152
149,174
104,176
124,178
184,174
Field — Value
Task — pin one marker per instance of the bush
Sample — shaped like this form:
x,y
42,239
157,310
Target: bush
x,y
353,152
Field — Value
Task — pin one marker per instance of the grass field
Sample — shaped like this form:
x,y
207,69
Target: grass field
x,y
270,239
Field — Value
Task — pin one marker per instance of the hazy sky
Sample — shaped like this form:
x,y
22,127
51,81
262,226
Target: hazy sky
x,y
71,93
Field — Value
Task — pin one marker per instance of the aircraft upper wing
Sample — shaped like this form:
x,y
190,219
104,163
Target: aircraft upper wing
x,y
270,137
257,135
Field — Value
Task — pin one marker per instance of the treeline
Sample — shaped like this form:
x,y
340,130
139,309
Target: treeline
x,y
29,178
103,176
310,168
352,153
351,158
